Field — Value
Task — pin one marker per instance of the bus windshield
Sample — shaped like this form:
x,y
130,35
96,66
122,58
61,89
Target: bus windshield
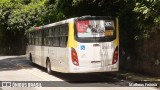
x,y
100,29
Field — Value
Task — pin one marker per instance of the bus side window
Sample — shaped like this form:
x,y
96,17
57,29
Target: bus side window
x,y
56,37
53,36
63,41
39,38
36,38
64,36
45,37
33,38
66,30
28,38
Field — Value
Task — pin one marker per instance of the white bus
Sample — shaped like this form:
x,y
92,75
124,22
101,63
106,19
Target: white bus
x,y
76,45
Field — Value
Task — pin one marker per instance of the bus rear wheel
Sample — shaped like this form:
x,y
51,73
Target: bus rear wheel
x,y
30,57
48,66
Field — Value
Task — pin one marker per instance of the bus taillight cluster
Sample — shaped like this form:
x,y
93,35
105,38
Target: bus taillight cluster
x,y
115,56
74,57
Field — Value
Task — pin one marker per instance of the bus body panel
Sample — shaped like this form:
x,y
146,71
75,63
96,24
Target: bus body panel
x,y
68,66
35,52
92,56
94,59
57,56
95,54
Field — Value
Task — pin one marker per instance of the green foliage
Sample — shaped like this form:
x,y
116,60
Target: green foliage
x,y
16,16
23,14
138,18
148,17
28,15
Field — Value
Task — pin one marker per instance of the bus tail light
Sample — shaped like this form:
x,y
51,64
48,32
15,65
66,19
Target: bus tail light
x,y
74,57
115,56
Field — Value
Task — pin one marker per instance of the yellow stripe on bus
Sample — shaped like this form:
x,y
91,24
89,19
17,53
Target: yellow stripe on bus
x,y
71,41
116,42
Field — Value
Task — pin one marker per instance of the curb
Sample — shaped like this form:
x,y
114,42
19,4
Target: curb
x,y
135,78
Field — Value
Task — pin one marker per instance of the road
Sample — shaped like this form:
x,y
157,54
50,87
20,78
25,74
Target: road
x,y
18,68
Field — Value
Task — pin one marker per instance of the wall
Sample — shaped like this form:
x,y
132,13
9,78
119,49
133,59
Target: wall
x,y
145,58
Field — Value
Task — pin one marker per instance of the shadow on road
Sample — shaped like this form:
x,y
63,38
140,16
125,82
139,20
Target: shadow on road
x,y
89,79
14,63
17,63
82,77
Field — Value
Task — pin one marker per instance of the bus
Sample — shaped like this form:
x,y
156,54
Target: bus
x,y
76,45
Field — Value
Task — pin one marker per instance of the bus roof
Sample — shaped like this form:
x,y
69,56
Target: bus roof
x,y
67,21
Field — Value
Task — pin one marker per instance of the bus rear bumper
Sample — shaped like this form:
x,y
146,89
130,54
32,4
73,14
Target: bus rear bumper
x,y
77,69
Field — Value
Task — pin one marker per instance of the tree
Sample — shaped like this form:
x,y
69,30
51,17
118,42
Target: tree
x,y
148,17
137,17
16,16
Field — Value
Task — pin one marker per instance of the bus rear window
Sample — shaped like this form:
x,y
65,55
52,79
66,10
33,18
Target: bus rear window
x,y
94,28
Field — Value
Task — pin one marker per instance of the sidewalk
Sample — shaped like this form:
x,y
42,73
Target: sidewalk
x,y
132,76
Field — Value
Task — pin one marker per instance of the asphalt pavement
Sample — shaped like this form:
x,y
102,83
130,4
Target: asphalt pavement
x,y
19,69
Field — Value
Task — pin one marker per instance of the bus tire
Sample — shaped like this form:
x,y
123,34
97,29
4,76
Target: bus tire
x,y
48,66
30,57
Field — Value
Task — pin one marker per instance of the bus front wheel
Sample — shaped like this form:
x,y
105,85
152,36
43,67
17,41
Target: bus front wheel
x,y
48,66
